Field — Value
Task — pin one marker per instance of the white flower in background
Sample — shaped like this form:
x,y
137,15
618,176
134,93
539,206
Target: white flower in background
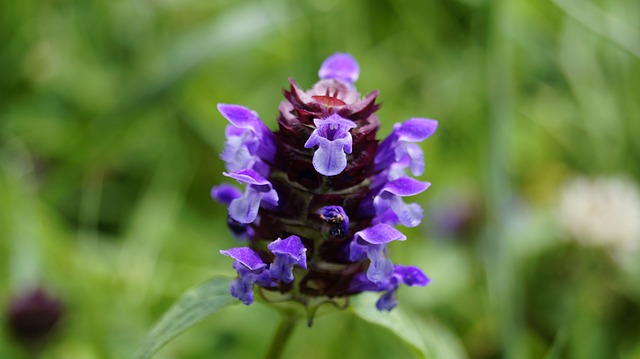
x,y
603,211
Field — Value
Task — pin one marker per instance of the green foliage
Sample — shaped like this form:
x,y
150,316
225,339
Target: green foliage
x,y
195,305
428,338
109,143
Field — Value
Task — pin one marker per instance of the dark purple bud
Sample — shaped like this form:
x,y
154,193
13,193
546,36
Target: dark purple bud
x,y
33,316
336,219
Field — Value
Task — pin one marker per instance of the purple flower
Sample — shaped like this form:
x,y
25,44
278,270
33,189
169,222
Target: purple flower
x,y
334,143
289,252
373,241
251,269
324,183
400,146
248,139
390,207
406,275
244,209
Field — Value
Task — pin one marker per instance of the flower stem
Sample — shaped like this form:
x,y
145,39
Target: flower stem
x,y
282,335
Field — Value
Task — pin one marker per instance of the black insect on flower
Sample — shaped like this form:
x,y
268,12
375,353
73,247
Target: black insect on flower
x,y
321,195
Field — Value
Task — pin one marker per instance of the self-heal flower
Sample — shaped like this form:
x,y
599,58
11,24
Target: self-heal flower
x,y
249,141
251,269
321,194
288,252
334,143
373,241
244,209
390,207
407,275
400,146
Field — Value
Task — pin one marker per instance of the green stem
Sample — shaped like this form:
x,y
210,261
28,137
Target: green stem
x,y
283,333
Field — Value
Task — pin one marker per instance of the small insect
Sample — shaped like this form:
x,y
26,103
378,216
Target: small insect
x,y
336,222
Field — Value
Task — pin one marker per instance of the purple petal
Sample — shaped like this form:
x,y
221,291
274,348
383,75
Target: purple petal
x,y
387,301
225,193
245,256
240,148
380,234
340,66
329,159
411,276
357,251
400,144
334,141
404,186
248,176
334,127
388,217
410,215
417,129
245,209
246,119
417,159
242,288
239,116
289,252
361,283
381,268
290,247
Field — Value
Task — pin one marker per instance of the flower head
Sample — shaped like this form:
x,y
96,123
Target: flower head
x,y
321,193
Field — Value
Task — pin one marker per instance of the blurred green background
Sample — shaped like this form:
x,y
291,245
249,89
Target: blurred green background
x,y
110,140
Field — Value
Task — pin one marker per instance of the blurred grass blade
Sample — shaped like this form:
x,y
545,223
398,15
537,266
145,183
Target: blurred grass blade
x,y
606,25
430,340
194,306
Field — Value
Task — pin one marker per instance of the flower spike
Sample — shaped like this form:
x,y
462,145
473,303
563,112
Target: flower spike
x,y
321,194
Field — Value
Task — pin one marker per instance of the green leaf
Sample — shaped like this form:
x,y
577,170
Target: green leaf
x,y
195,305
429,339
